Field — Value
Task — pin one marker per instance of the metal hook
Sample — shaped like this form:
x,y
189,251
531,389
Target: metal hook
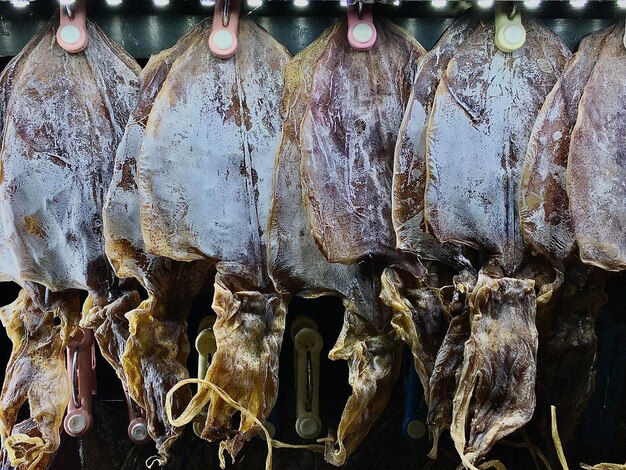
x,y
360,10
75,390
225,16
69,11
513,11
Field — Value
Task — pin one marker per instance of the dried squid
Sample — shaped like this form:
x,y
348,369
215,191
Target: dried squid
x,y
155,349
62,116
204,175
419,318
567,342
484,108
297,267
594,171
355,109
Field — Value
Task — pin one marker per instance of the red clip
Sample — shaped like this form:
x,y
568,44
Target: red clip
x,y
72,33
361,29
138,428
223,38
81,365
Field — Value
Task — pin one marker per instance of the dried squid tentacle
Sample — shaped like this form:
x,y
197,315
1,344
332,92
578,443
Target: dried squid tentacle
x,y
29,428
36,371
110,326
249,332
449,360
443,381
496,392
418,319
374,364
153,361
157,348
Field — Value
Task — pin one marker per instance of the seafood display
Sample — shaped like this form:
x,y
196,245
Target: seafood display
x,y
464,206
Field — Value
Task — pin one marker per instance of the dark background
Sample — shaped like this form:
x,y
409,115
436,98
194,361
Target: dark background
x,y
144,29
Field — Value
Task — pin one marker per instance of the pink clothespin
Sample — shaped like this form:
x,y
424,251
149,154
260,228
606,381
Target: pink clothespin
x,y
72,33
223,38
81,365
361,29
138,428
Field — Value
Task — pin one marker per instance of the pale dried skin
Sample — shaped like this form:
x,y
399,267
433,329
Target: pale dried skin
x,y
121,213
204,170
409,173
9,270
596,168
374,364
35,372
544,205
604,466
443,380
418,319
151,352
478,131
496,390
295,263
348,136
64,119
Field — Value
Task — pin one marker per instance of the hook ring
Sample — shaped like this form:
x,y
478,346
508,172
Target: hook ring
x,y
225,13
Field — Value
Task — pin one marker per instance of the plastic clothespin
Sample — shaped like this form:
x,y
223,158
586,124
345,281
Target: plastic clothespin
x,y
206,346
138,427
510,33
361,29
81,366
223,38
308,345
72,33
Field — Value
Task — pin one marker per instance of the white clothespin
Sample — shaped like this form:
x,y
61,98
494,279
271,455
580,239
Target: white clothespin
x,y
510,33
223,38
72,33
361,29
